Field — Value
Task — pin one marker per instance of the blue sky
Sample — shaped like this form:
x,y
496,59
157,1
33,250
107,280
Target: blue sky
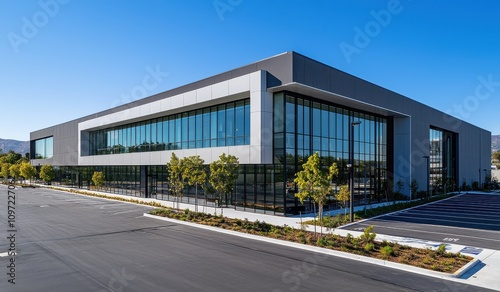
x,y
64,59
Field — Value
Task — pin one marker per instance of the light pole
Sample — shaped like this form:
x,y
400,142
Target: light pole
x,y
351,169
428,173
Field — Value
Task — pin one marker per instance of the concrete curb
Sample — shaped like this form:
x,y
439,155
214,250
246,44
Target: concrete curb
x,y
466,268
315,249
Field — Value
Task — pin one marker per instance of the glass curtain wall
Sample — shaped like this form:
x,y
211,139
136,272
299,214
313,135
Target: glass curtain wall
x,y
442,160
304,125
223,125
123,180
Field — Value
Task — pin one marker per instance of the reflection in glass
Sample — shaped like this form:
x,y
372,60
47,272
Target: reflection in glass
x,y
224,125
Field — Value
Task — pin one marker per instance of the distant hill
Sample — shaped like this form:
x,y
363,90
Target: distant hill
x,y
17,146
495,142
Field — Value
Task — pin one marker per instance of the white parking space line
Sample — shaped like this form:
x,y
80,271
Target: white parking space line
x,y
431,225
465,213
436,214
452,207
442,220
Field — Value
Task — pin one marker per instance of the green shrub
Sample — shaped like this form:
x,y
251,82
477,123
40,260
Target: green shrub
x,y
369,247
322,241
302,237
441,250
368,235
387,251
355,242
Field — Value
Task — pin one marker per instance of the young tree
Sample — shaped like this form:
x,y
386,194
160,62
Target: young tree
x,y
496,156
98,178
343,196
11,157
27,171
194,174
175,169
223,175
333,173
47,173
15,170
313,183
5,172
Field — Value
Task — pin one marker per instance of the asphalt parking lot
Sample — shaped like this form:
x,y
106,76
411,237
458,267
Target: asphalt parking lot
x,y
68,242
471,219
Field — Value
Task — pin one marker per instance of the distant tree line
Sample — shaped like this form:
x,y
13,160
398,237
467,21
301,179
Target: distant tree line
x,y
17,167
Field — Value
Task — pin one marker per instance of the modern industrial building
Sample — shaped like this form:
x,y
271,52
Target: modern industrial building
x,y
272,115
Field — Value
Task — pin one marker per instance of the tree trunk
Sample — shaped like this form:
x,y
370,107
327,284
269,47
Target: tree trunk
x,y
314,208
320,216
221,205
196,199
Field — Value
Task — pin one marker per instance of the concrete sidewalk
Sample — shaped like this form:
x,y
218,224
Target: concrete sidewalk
x,y
485,273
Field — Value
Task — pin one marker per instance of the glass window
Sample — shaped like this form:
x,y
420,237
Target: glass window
x,y
40,149
324,120
154,127
332,122
108,138
171,133
213,126
307,117
230,124
132,139
199,129
191,130
164,136
177,144
300,141
290,114
279,113
345,117
129,139
247,122
316,144
206,127
290,140
300,116
339,123
221,125
44,148
143,134
138,135
184,131
316,119
239,120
